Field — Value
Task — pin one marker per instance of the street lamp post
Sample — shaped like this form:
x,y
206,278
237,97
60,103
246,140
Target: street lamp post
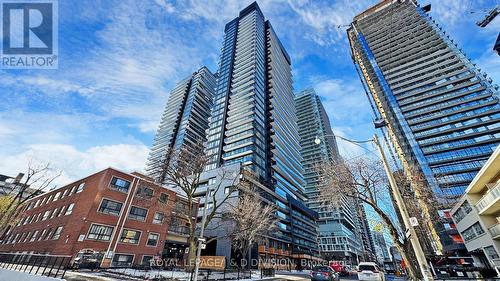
x,y
412,236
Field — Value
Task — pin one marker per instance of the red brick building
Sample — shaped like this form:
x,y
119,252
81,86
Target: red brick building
x,y
127,216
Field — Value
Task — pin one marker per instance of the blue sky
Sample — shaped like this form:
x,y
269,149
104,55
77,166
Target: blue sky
x,y
118,61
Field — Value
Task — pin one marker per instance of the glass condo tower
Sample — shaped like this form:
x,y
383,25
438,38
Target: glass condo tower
x,y
441,111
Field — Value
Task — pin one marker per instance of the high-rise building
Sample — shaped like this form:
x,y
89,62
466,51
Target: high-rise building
x,y
381,249
253,124
441,111
185,119
365,234
339,233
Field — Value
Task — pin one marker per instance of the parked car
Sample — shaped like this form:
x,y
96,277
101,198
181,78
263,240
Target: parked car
x,y
369,271
324,273
87,258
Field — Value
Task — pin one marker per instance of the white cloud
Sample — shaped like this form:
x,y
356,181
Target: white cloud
x,y
75,163
489,62
343,99
347,149
169,8
328,19
451,12
138,58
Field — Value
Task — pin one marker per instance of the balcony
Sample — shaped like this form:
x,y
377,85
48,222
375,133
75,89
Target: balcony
x,y
486,205
495,231
179,229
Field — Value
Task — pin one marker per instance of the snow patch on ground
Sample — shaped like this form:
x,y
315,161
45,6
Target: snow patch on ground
x,y
179,275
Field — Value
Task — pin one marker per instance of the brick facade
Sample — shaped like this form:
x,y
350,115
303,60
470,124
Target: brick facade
x,y
90,215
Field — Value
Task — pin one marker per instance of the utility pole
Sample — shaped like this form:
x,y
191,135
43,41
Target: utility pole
x,y
419,253
201,239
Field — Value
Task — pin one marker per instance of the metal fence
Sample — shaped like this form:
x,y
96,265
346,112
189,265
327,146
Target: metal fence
x,y
46,265
226,274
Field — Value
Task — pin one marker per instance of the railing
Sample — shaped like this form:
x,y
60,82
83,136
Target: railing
x,y
46,265
225,274
490,196
495,230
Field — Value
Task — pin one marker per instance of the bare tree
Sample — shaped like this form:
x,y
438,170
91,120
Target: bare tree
x,y
365,180
252,220
37,178
182,170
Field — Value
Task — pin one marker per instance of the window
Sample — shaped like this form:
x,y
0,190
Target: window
x,y
73,190
100,232
54,213
212,181
69,210
122,260
65,193
472,232
153,239
57,233
463,211
50,198
61,212
145,192
21,238
46,215
137,213
110,207
42,235
120,184
35,234
16,238
48,235
158,218
146,260
163,198
490,252
57,196
27,236
80,187
37,203
130,236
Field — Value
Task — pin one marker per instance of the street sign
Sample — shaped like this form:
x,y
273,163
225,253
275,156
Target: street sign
x,y
407,234
203,246
413,221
